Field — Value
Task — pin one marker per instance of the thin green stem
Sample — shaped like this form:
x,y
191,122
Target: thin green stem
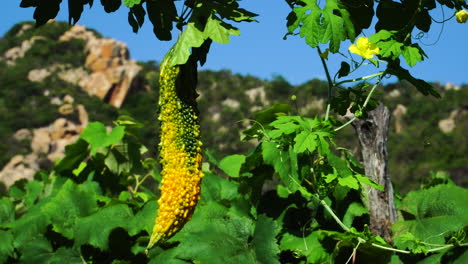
x,y
362,240
354,253
346,124
391,249
363,106
330,82
361,78
139,183
325,67
441,248
330,211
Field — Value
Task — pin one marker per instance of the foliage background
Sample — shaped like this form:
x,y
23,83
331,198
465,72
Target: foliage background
x,y
431,149
94,205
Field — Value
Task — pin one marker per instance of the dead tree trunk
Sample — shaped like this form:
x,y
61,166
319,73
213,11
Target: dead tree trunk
x,y
373,133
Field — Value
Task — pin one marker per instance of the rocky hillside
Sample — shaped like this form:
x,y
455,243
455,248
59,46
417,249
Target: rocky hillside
x,y
57,78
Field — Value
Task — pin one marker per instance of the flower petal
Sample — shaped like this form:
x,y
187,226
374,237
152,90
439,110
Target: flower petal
x,y
362,43
354,49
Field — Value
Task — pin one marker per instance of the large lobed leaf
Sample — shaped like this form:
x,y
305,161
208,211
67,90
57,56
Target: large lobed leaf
x,y
437,211
97,137
222,230
308,246
332,24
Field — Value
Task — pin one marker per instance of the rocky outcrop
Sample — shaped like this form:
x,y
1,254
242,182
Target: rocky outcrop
x,y
448,125
257,94
315,104
398,113
15,53
231,103
112,73
19,167
451,86
108,72
47,145
38,75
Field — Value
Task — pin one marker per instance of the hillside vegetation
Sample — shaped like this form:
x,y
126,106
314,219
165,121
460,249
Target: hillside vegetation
x,y
417,143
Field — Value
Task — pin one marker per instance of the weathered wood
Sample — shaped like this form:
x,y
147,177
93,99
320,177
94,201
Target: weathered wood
x,y
373,134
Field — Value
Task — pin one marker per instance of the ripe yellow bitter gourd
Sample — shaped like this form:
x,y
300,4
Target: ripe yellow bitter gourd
x,y
180,150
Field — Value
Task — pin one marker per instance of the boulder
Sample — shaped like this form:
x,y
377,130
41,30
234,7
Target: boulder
x,y
82,116
398,113
18,52
112,73
38,75
66,109
40,142
17,168
231,103
447,125
22,134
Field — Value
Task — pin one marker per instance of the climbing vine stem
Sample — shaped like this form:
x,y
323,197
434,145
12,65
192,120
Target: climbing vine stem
x,y
363,106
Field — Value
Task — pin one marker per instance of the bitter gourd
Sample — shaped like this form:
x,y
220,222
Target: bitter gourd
x,y
180,150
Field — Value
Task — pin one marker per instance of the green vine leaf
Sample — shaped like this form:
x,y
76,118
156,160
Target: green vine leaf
x,y
33,190
162,14
366,180
309,247
381,35
434,259
74,154
344,69
319,26
305,140
349,181
96,135
229,10
437,212
390,49
7,212
96,228
412,55
44,10
283,163
29,226
422,86
462,259
225,230
75,8
219,31
131,3
232,164
6,245
144,219
264,240
215,29
264,118
136,17
71,202
111,5
192,37
409,241
38,250
354,210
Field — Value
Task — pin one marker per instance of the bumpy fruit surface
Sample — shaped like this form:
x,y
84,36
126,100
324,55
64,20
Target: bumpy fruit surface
x,y
180,155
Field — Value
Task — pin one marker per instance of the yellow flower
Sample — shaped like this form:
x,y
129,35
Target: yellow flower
x,y
462,16
364,48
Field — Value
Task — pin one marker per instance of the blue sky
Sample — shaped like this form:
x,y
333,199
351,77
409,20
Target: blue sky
x,y
261,50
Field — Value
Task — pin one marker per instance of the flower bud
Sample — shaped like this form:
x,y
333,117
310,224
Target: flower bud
x,y
462,16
